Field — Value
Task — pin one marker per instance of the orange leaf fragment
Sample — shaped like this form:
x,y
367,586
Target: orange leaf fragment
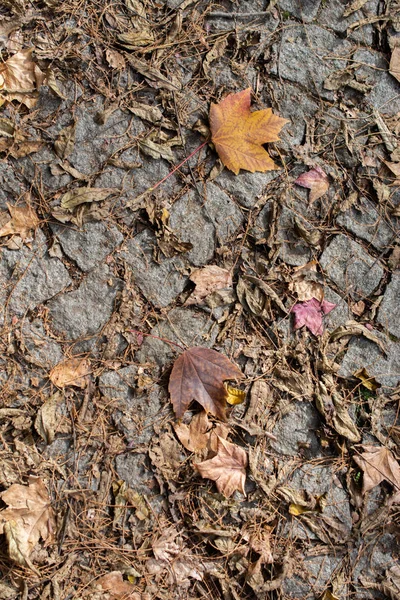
x,y
227,468
239,134
72,371
199,374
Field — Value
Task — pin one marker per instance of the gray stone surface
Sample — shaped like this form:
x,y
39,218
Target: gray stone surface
x,y
311,572
294,250
301,56
90,245
159,283
367,223
331,16
296,106
190,223
134,469
295,431
306,10
246,187
184,327
33,277
223,212
41,349
83,312
10,186
363,353
340,314
384,94
348,265
388,313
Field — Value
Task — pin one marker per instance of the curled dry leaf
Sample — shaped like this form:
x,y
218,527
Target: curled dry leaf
x,y
333,408
200,434
379,464
84,194
368,382
28,518
306,283
227,468
239,134
207,280
23,221
310,314
65,142
199,374
20,78
354,328
72,372
394,67
117,587
315,180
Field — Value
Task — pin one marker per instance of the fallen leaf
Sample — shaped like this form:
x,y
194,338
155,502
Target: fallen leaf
x,y
144,111
156,150
394,66
395,168
310,314
200,433
207,280
216,51
296,384
199,374
118,588
154,76
355,328
227,468
23,221
356,5
73,372
368,382
378,464
84,194
234,395
115,59
316,181
47,419
306,283
28,518
333,408
20,78
253,294
239,134
65,142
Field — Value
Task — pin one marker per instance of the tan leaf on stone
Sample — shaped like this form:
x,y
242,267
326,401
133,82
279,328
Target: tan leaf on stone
x,y
207,280
394,67
20,78
84,194
72,371
28,518
227,468
379,464
23,221
117,587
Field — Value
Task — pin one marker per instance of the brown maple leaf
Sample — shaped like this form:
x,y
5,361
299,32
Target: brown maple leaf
x,y
28,518
200,434
199,374
378,464
227,468
239,134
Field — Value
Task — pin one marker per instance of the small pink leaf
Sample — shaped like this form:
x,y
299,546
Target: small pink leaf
x,y
310,314
316,181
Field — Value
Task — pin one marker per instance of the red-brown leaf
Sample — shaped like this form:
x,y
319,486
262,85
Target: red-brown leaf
x,y
315,180
199,374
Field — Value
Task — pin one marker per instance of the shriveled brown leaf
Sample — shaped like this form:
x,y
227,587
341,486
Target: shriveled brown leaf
x,y
306,283
23,221
72,371
333,408
200,433
394,66
20,78
378,464
199,374
84,194
207,280
227,468
395,169
115,59
369,382
28,518
355,328
48,419
315,180
117,587
65,142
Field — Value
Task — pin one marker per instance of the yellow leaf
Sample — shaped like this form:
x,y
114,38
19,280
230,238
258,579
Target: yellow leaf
x,y
368,382
234,395
239,134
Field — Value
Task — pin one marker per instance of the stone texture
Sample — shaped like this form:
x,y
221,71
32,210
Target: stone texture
x,y
83,312
388,313
331,16
40,348
365,222
160,282
294,250
33,277
296,106
306,10
134,469
301,56
223,212
348,265
296,429
384,94
190,223
311,572
90,245
340,314
246,187
364,353
10,186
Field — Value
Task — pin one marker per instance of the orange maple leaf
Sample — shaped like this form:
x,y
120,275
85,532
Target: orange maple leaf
x,y
239,134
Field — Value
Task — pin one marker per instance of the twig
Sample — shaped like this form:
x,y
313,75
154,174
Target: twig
x,y
237,15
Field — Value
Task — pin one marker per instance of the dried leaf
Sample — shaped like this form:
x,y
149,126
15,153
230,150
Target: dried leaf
x,y
216,51
154,76
28,518
368,382
306,283
65,142
239,134
199,374
253,294
84,194
394,67
378,464
194,437
23,221
310,314
165,547
157,150
144,111
207,280
395,168
20,78
234,395
332,407
315,180
355,5
134,39
117,587
296,384
73,372
115,59
354,328
227,468
47,418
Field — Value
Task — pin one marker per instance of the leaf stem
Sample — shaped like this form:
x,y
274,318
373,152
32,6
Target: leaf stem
x,y
156,337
